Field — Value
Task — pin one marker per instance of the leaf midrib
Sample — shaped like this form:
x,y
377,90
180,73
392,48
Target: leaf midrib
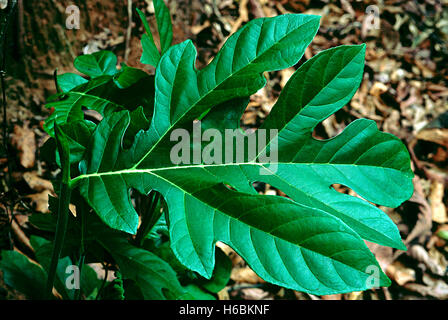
x,y
261,165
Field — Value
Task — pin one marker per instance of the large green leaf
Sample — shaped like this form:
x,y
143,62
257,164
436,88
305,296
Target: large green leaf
x,y
178,98
361,157
183,94
312,242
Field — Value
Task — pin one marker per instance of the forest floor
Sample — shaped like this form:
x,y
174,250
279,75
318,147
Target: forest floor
x,y
405,90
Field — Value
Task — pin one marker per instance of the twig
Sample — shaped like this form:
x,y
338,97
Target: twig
x,y
55,78
128,32
243,16
238,287
21,237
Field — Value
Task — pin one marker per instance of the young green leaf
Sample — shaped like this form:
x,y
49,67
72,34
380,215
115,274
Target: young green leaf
x,y
78,135
151,54
164,25
69,81
128,76
97,64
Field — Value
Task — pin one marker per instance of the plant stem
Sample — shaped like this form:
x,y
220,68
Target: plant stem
x,y
63,206
61,228
81,213
55,79
103,284
80,264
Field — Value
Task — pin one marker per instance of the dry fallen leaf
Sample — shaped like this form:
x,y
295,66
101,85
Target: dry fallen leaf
x,y
23,139
234,257
40,201
332,297
384,255
20,235
436,135
223,294
436,288
438,257
435,198
285,75
420,254
245,275
378,89
255,294
355,295
400,274
37,183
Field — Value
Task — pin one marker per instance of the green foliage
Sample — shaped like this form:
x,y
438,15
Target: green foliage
x,y
312,240
23,275
29,278
97,64
151,54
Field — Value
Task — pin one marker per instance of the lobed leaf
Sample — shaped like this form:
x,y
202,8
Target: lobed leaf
x,y
312,242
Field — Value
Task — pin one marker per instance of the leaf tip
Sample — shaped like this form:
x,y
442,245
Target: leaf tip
x,y
402,246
